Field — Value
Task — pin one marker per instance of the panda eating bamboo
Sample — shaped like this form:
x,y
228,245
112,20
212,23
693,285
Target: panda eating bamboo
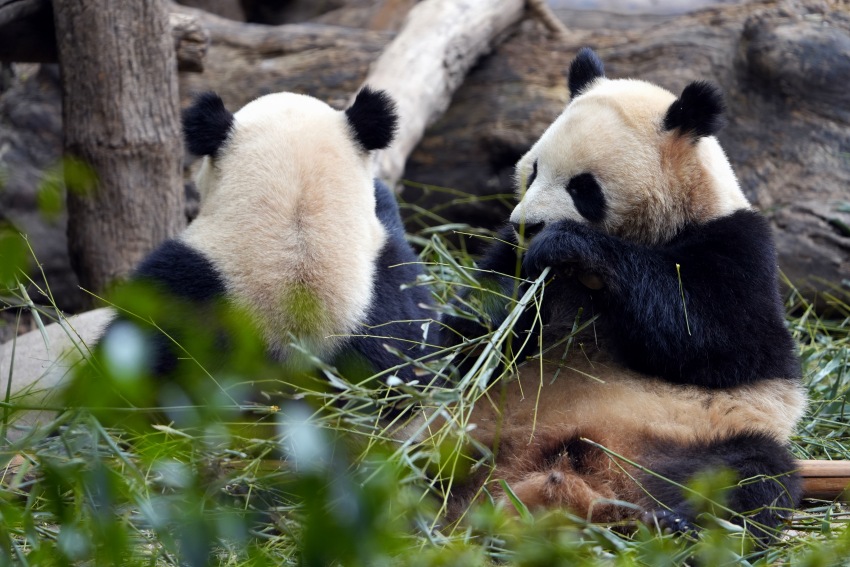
x,y
688,367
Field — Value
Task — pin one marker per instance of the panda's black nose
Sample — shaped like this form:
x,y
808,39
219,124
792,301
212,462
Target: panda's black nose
x,y
530,229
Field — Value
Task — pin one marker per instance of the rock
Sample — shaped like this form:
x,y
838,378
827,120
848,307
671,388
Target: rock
x,y
784,68
30,148
38,371
230,9
245,61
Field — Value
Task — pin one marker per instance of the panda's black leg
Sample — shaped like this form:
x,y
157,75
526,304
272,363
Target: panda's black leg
x,y
765,489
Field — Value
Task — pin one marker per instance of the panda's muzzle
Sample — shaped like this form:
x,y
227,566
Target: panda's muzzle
x,y
529,230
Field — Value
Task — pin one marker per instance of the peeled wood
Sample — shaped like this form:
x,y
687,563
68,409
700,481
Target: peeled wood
x,y
121,117
427,62
825,480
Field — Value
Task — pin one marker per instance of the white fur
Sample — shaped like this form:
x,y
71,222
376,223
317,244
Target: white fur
x,y
602,396
654,181
289,205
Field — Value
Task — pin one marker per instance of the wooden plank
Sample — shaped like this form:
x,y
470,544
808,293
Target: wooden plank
x,y
825,480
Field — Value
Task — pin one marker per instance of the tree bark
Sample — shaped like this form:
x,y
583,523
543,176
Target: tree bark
x,y
427,62
120,109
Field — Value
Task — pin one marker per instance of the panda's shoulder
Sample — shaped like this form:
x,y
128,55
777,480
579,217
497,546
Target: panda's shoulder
x,y
745,234
182,271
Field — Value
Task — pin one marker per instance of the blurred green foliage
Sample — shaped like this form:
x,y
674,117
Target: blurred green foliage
x,y
14,256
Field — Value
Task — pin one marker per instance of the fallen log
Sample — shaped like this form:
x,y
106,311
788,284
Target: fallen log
x,y
428,60
825,480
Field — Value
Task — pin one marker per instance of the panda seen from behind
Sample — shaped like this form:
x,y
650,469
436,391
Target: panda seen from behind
x,y
687,367
294,233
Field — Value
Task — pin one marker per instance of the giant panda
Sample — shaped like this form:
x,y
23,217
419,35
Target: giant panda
x,y
294,233
685,365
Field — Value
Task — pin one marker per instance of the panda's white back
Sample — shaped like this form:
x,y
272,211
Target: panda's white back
x,y
288,217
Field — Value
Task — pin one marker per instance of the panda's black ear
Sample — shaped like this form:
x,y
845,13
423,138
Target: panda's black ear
x,y
585,68
206,125
373,119
697,112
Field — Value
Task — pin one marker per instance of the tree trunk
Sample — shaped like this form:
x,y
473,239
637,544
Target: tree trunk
x,y
121,115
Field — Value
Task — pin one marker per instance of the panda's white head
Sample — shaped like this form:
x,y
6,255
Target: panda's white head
x,y
296,138
629,157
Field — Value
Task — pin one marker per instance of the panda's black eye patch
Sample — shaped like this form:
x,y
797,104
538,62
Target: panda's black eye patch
x,y
587,196
533,175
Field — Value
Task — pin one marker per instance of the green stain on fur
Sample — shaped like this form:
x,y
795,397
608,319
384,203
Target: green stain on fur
x,y
307,315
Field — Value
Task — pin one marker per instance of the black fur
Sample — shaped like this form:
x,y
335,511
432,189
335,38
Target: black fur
x,y
373,119
767,489
697,112
585,68
179,272
182,271
731,328
528,230
499,272
394,319
206,125
734,332
396,316
588,197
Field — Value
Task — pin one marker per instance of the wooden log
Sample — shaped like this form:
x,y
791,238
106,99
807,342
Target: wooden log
x,y
245,61
825,480
191,41
428,60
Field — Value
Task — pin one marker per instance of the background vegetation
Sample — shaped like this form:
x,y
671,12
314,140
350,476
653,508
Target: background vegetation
x,y
320,470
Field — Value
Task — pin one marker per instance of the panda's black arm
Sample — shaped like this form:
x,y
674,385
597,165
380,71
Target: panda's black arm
x,y
500,258
386,207
180,273
716,320
396,315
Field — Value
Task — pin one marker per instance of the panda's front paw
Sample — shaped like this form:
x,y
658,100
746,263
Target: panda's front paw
x,y
667,521
562,244
542,252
